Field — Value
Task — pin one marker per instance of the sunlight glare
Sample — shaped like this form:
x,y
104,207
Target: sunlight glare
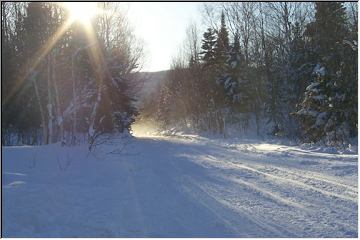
x,y
144,129
82,11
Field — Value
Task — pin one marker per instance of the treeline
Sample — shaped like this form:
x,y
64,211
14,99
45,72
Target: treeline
x,y
293,64
63,79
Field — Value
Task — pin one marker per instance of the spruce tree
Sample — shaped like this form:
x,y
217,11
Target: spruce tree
x,y
231,84
324,112
208,47
222,46
313,112
329,26
237,85
222,68
208,62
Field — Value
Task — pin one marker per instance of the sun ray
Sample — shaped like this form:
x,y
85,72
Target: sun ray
x,y
38,57
96,55
79,11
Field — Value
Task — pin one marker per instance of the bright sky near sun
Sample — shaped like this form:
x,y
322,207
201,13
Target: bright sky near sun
x,y
162,27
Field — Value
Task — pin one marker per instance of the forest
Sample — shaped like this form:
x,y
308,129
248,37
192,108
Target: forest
x,y
290,69
289,66
64,80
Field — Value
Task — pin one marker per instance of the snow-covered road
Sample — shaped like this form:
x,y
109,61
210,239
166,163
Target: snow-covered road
x,y
179,187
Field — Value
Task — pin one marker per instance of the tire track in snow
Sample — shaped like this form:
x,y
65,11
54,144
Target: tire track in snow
x,y
301,173
288,179
305,199
219,207
263,227
232,165
313,178
309,174
269,194
318,211
337,214
134,195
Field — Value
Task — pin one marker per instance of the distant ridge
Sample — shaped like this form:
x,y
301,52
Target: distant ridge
x,y
149,83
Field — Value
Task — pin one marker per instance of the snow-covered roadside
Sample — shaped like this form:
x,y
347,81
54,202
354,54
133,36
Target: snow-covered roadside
x,y
180,186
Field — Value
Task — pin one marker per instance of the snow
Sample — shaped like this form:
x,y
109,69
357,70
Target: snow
x,y
353,44
319,70
320,97
312,86
308,112
179,186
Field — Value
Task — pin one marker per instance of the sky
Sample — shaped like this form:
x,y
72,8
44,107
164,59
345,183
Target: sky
x,y
162,26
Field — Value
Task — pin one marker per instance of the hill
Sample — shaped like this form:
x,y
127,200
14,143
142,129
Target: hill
x,y
148,83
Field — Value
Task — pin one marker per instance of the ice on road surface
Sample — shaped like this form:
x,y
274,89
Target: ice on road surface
x,y
184,186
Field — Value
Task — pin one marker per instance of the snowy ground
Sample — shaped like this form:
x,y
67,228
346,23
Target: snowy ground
x,y
179,187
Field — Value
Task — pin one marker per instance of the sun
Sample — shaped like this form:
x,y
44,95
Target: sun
x,y
82,11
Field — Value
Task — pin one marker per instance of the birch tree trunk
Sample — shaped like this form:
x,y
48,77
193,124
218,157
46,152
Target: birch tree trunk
x,y
50,97
92,130
75,99
59,117
42,112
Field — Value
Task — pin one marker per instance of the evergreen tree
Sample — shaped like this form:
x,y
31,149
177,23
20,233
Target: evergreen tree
x,y
301,64
234,62
222,69
329,28
237,85
314,108
208,47
222,45
324,112
208,60
222,50
120,91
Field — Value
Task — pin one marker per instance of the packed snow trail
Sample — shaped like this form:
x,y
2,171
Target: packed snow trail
x,y
178,187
